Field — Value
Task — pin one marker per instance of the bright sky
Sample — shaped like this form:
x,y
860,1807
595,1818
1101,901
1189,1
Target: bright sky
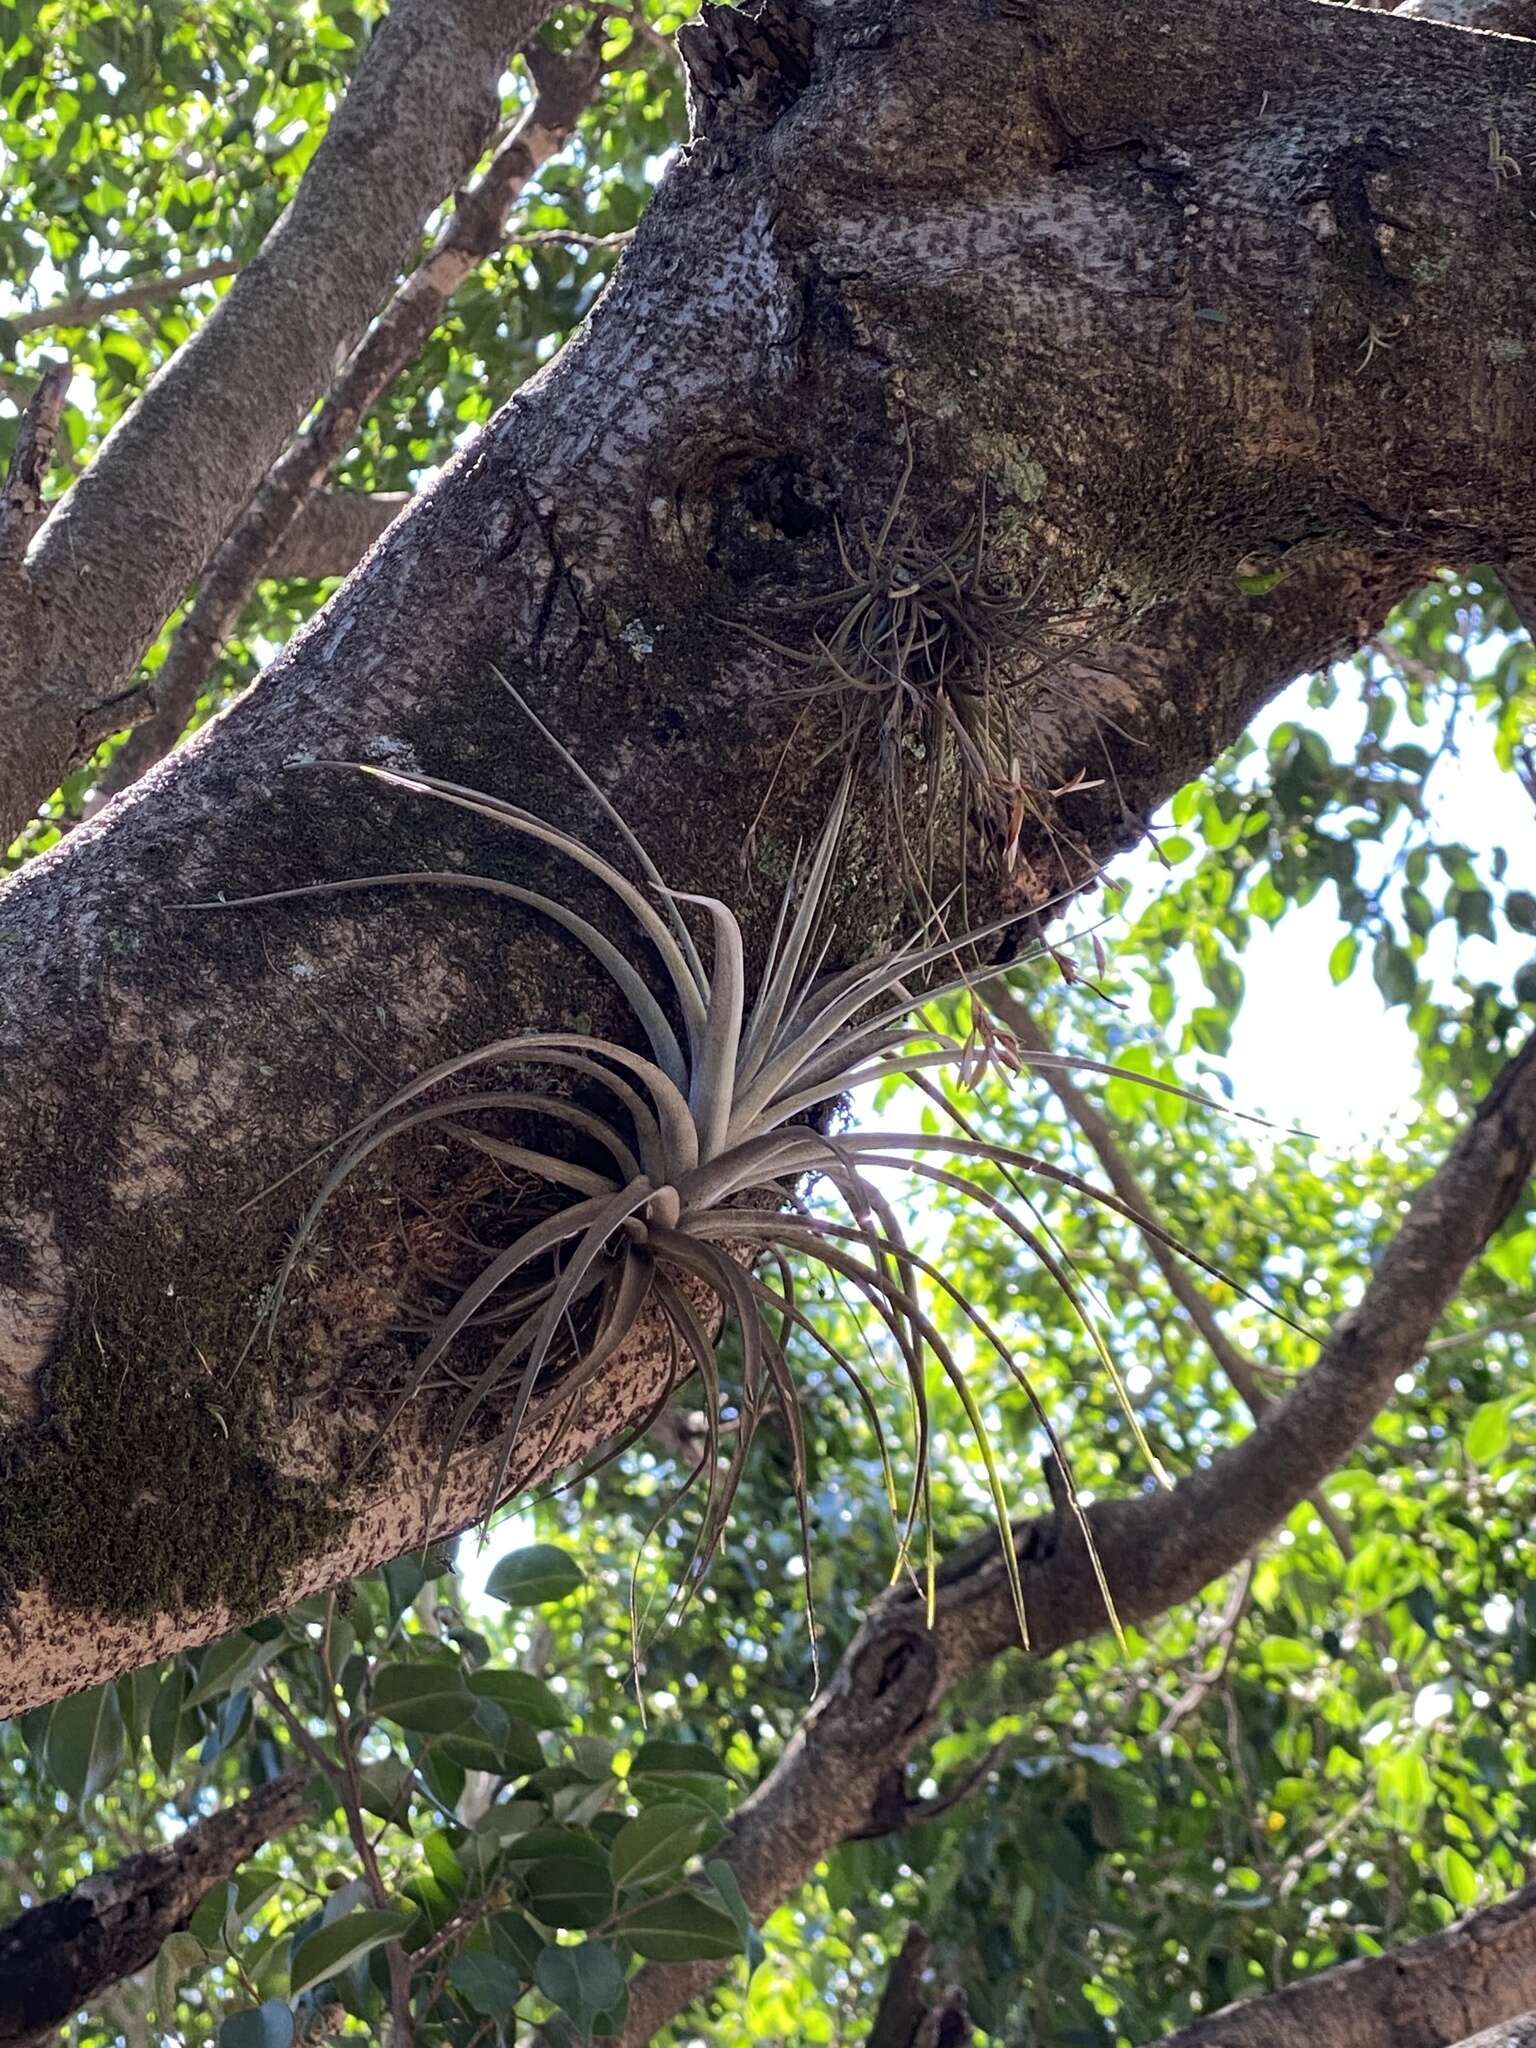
x,y
1335,1060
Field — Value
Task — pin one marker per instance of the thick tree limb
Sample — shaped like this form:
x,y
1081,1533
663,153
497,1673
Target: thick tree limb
x,y
56,1957
85,308
333,531
1126,307
137,527
1155,1550
1479,1974
565,85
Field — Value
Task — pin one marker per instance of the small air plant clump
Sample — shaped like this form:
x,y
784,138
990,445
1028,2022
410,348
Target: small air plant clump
x,y
691,1138
926,649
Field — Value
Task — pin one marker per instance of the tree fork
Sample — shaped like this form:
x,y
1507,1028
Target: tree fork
x,y
1131,317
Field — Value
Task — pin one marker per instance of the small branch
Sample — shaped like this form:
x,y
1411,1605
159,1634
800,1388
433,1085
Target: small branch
x,y
1206,1682
333,531
21,505
533,238
1480,1334
61,1955
85,308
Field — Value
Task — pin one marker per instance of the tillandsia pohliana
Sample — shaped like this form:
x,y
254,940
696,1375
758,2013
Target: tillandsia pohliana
x,y
697,1134
925,649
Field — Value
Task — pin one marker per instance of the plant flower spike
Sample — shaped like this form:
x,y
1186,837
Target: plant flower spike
x,y
700,1131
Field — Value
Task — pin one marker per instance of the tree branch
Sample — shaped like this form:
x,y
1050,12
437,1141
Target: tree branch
x,y
1196,1304
21,504
137,527
907,2017
84,308
565,85
57,1956
332,532
1428,1993
1155,1550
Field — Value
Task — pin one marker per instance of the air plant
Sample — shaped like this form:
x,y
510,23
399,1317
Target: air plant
x,y
695,1147
924,645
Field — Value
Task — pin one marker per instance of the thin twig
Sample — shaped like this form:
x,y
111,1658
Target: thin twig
x,y
82,308
533,238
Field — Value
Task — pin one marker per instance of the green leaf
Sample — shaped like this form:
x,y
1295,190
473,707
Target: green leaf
x,y
270,2025
1458,1877
172,1730
386,1790
1489,1431
136,1695
518,1940
228,1665
85,1742
676,1760
329,1949
179,1955
1341,961
1285,1653
682,1927
535,1577
492,1987
539,1843
1394,973
583,1982
657,1843
428,1698
512,1818
569,1891
525,1697
723,1878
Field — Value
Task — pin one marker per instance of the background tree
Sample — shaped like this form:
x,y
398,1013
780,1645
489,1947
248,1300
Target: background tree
x,y
1183,377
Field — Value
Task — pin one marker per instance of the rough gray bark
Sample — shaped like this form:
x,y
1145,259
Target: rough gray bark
x,y
333,531
1133,302
1479,1974
116,555
251,549
1516,2033
1155,1550
59,1955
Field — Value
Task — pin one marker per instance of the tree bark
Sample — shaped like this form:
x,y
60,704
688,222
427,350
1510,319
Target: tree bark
x,y
1128,308
333,532
115,556
56,1957
253,547
1479,1974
